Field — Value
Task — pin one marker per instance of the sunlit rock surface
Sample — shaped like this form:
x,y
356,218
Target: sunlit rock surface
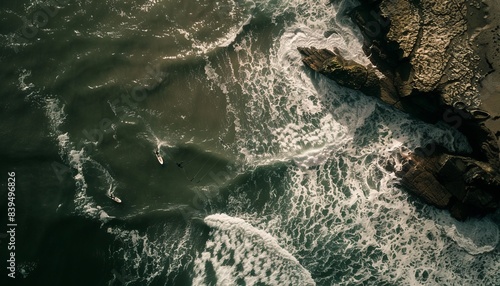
x,y
433,69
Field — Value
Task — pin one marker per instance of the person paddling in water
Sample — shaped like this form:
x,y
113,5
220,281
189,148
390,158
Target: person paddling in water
x,y
158,156
114,198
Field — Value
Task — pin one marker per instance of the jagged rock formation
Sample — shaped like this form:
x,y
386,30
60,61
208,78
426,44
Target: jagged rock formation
x,y
425,47
345,72
463,185
427,52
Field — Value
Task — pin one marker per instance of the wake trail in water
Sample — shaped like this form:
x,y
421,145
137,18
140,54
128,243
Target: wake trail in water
x,y
76,159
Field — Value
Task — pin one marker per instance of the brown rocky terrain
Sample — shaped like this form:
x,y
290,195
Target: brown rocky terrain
x,y
439,60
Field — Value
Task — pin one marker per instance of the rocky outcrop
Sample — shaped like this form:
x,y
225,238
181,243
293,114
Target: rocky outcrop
x,y
347,73
353,75
432,69
463,185
423,45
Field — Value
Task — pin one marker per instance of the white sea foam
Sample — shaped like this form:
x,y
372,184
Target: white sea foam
x,y
476,236
225,20
338,211
160,252
25,268
335,211
22,78
240,253
75,159
202,48
347,220
277,86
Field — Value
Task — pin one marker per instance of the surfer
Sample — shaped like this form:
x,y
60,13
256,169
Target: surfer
x,y
158,156
180,164
115,198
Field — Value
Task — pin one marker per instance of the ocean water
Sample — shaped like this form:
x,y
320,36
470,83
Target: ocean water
x,y
273,174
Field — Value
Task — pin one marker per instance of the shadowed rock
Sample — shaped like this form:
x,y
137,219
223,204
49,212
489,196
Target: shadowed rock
x,y
461,184
426,52
348,73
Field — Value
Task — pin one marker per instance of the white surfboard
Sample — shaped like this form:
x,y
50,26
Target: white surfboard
x,y
160,159
115,198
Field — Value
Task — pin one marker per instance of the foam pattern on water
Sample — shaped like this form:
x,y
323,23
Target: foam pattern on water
x,y
475,236
347,223
154,256
274,84
202,25
336,217
337,211
75,159
240,254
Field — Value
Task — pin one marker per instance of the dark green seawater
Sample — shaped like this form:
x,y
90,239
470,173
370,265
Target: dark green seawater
x,y
272,174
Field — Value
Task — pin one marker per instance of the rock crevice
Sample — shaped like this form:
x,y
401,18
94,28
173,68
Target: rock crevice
x,y
432,69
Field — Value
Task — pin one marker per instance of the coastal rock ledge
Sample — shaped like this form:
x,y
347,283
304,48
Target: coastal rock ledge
x,y
435,59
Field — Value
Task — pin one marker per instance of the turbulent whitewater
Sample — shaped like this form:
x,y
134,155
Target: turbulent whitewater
x,y
273,175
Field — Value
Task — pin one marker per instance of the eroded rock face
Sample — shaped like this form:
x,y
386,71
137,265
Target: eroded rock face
x,y
345,72
461,184
425,49
427,44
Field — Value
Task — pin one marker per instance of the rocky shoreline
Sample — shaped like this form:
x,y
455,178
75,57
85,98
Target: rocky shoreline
x,y
439,62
